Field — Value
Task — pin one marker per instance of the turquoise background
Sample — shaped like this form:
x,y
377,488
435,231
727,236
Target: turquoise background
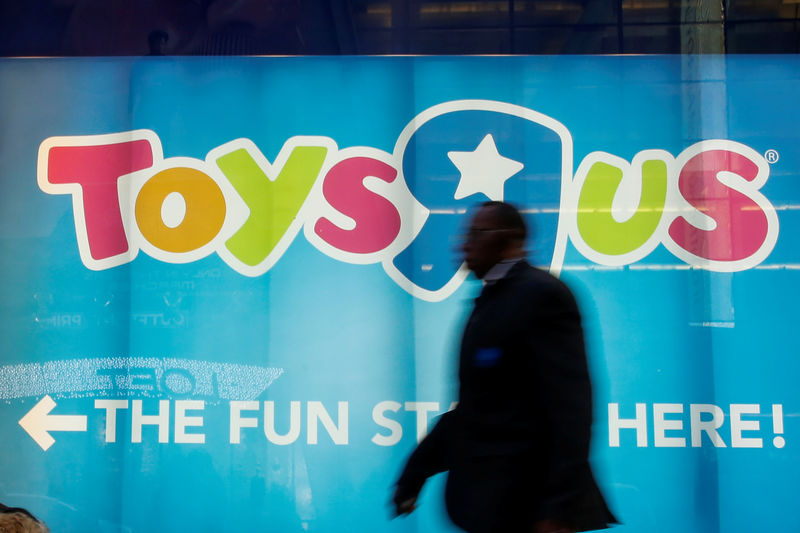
x,y
344,332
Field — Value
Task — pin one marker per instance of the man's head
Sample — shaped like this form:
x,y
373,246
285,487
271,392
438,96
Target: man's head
x,y
497,232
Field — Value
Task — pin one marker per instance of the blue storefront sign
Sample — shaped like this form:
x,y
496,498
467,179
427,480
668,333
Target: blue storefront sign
x,y
233,292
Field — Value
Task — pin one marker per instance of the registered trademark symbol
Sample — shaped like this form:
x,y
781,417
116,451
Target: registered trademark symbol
x,y
771,156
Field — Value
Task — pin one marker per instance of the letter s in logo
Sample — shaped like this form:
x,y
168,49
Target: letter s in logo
x,y
730,225
458,154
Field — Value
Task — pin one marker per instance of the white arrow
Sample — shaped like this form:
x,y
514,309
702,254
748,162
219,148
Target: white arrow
x,y
38,422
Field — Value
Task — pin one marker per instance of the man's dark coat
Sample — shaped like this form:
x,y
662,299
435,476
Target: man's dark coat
x,y
517,445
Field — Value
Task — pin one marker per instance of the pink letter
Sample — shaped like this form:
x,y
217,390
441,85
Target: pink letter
x,y
377,219
741,224
96,169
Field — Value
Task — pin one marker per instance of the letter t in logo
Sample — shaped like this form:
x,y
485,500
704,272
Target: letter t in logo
x,y
88,168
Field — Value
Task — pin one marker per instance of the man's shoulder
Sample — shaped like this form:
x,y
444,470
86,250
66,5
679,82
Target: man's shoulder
x,y
534,283
527,274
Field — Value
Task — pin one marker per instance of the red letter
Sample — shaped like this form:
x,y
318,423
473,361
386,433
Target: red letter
x,y
377,219
96,169
741,224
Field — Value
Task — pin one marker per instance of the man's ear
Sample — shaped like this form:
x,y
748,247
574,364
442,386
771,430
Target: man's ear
x,y
514,238
512,244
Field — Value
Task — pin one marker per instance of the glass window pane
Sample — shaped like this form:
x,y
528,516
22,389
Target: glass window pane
x,y
538,12
372,14
652,39
567,40
375,42
762,9
762,38
662,11
432,13
460,42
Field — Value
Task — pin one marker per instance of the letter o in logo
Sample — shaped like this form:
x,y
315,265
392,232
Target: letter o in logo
x,y
205,209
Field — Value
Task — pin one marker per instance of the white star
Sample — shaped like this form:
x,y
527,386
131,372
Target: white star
x,y
483,170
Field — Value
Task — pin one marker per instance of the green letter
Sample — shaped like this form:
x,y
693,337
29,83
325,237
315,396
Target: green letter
x,y
598,228
273,204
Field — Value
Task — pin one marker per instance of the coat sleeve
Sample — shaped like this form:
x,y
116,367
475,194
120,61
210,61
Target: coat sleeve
x,y
428,459
564,399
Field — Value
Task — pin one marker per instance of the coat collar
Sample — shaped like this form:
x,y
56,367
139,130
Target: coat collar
x,y
511,272
501,270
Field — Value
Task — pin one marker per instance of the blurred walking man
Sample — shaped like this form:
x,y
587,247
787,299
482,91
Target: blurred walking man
x,y
517,445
